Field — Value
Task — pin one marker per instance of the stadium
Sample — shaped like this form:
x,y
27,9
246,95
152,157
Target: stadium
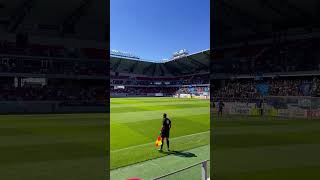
x,y
55,95
141,91
159,76
265,76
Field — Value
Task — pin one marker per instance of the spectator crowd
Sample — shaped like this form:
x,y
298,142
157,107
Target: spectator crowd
x,y
234,90
52,93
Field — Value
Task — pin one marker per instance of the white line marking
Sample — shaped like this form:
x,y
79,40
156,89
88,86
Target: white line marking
x,y
117,150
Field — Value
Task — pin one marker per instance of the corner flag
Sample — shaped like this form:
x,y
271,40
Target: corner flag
x,y
158,141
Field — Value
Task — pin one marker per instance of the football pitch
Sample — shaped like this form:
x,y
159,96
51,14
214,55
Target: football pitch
x,y
44,146
68,146
136,123
250,148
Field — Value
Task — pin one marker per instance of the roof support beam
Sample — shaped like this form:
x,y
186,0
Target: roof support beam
x,y
68,24
201,65
284,8
133,66
154,69
172,69
161,69
116,65
19,14
145,70
184,66
244,18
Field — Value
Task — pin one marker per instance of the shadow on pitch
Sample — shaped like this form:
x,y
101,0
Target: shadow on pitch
x,y
180,154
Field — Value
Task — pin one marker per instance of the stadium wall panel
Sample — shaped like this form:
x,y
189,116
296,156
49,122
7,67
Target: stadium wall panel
x,y
287,107
34,107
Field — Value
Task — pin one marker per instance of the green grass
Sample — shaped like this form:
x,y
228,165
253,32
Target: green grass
x,y
136,122
68,146
74,146
161,166
250,148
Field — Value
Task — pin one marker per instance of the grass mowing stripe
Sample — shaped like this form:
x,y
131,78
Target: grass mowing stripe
x,y
267,129
129,134
268,139
124,136
136,122
158,107
44,152
248,147
57,117
137,104
160,166
147,144
42,146
74,169
9,141
297,173
263,158
150,99
13,132
145,115
149,151
52,125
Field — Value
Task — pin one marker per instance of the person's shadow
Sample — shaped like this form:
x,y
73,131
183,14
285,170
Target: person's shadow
x,y
180,154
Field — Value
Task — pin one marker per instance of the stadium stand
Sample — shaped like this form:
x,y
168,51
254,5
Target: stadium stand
x,y
53,60
61,79
132,77
55,89
266,57
250,89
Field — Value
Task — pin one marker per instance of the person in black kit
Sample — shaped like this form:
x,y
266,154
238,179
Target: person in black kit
x,y
260,108
165,131
220,106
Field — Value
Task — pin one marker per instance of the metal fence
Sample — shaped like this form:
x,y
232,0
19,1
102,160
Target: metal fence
x,y
198,171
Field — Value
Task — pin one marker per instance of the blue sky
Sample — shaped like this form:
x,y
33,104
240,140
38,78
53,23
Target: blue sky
x,y
154,29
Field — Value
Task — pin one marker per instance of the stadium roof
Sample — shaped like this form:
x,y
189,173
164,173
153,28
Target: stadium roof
x,y
191,64
239,20
48,17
